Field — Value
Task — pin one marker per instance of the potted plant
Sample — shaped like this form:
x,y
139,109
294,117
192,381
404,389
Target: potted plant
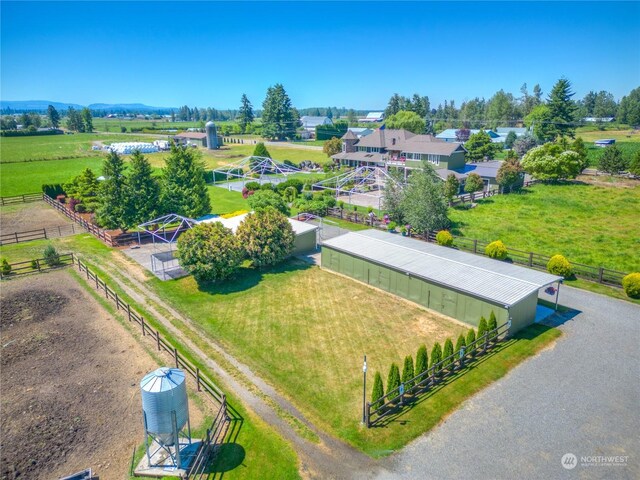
x,y
392,227
403,230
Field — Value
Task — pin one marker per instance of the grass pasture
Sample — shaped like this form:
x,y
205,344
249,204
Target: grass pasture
x,y
589,224
305,330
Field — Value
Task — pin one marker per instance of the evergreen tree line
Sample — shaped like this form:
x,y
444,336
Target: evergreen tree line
x,y
441,357
505,109
129,197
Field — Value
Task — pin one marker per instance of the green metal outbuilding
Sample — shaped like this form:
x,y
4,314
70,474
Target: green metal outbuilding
x,y
458,284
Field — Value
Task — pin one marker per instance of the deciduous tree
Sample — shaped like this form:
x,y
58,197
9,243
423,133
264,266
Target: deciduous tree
x,y
549,162
479,146
210,252
267,237
406,120
474,183
612,161
451,187
629,108
510,175
392,197
333,146
423,202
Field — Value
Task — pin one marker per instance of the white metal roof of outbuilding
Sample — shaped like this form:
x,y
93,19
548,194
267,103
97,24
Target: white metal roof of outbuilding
x,y
234,222
482,277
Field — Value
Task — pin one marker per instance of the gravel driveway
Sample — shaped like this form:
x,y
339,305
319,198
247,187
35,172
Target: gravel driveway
x,y
580,397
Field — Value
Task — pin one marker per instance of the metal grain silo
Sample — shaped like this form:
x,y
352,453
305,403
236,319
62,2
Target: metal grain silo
x,y
212,136
165,409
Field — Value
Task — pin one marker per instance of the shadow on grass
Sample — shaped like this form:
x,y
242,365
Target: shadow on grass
x,y
228,454
249,277
395,413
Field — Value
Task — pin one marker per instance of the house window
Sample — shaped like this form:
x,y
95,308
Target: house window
x,y
344,147
435,159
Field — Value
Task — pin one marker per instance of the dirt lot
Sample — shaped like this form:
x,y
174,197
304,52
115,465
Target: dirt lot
x,y
30,216
69,382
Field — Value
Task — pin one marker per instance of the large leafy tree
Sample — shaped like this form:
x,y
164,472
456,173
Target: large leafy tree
x,y
406,120
562,108
472,113
612,161
333,146
423,203
392,196
264,199
184,190
451,187
113,198
245,114
510,175
279,118
523,144
552,163
629,109
210,252
87,119
84,188
143,190
473,184
501,109
479,146
267,237
540,121
54,116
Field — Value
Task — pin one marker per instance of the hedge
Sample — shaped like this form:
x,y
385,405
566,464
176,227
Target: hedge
x,y
631,285
559,265
25,133
53,189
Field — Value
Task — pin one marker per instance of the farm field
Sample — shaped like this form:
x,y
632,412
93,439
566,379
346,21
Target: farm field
x,y
590,224
628,150
589,134
56,147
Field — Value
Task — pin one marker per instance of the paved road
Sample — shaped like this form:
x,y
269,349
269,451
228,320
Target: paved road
x,y
582,397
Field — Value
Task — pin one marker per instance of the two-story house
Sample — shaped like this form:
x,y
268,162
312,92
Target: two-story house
x,y
399,148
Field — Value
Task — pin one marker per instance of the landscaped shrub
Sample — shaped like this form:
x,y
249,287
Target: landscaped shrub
x,y
234,213
422,360
559,265
5,268
393,380
444,238
252,186
72,204
408,372
631,285
496,250
267,236
471,337
51,256
290,194
34,264
492,324
264,199
268,186
482,327
52,190
447,352
436,356
378,391
81,208
460,343
210,252
392,226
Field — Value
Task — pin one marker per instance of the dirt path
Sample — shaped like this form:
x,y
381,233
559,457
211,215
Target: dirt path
x,y
331,458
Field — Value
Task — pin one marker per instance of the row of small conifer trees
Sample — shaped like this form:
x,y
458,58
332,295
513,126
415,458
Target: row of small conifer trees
x,y
422,361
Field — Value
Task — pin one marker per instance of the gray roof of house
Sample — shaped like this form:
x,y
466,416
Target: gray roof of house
x,y
383,138
517,130
427,144
484,169
443,173
495,281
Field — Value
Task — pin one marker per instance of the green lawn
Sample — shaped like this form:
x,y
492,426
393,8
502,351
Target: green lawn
x,y
225,201
305,330
588,224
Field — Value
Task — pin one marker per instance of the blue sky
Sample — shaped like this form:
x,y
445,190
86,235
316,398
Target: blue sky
x,y
325,54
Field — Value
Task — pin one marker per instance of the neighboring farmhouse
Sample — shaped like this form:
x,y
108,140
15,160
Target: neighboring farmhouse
x,y
372,117
402,149
309,124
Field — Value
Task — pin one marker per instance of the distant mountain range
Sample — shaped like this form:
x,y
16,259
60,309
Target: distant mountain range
x,y
41,105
